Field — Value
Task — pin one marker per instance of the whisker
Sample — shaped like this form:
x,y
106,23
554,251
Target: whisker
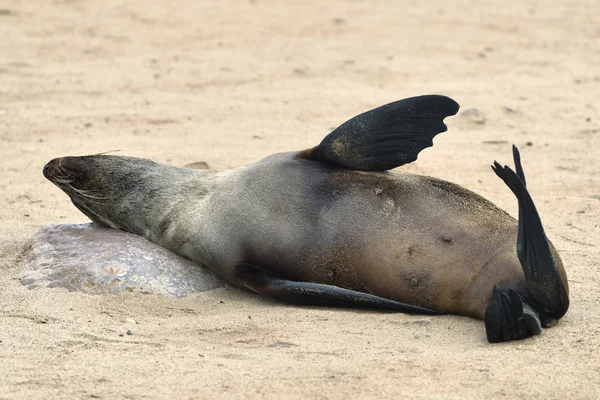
x,y
107,152
61,171
67,187
101,218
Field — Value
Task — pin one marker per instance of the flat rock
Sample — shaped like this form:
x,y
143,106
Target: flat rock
x,y
96,260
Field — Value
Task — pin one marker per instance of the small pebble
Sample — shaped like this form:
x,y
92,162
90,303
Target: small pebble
x,y
495,142
197,165
474,115
300,71
129,332
131,321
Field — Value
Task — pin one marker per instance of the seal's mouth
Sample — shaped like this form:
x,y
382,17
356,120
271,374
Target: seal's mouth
x,y
69,174
51,169
59,171
60,176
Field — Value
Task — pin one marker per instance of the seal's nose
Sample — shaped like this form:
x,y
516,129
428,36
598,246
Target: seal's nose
x,y
49,168
46,170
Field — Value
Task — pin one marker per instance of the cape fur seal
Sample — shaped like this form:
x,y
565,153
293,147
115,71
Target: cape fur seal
x,y
331,226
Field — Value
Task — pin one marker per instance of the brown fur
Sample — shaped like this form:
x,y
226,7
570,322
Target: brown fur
x,y
411,238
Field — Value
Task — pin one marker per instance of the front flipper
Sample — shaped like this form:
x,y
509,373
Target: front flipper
x,y
386,137
508,318
270,285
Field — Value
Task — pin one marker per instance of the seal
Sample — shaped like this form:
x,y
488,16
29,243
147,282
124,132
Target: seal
x,y
333,226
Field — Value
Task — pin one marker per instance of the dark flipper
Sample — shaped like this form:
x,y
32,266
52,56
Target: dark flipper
x,y
508,318
386,137
548,292
269,284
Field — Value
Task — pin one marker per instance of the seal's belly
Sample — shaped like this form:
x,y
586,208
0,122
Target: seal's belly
x,y
423,260
387,234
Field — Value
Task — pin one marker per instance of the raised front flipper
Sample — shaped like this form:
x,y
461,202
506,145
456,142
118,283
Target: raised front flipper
x,y
270,285
386,137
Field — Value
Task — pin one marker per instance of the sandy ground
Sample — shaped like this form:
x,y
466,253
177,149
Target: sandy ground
x,y
231,82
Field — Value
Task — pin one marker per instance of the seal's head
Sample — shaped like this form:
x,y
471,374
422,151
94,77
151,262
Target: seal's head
x,y
105,188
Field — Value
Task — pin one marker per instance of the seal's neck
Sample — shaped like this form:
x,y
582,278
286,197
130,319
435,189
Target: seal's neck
x,y
158,199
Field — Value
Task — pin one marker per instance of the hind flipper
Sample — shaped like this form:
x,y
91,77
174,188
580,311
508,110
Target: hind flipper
x,y
385,137
518,166
508,318
267,283
548,292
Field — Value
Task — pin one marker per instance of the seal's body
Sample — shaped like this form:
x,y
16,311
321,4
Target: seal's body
x,y
331,226
369,232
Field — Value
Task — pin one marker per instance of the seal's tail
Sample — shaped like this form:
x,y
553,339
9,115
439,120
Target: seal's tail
x,y
548,290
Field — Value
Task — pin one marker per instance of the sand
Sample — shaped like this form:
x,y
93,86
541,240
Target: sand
x,y
231,82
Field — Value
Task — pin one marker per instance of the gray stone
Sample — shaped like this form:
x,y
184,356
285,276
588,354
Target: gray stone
x,y
96,260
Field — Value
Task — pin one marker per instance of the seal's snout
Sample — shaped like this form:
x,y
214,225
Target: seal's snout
x,y
72,169
46,170
49,169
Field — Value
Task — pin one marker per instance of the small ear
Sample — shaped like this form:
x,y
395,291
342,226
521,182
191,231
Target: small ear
x,y
388,136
